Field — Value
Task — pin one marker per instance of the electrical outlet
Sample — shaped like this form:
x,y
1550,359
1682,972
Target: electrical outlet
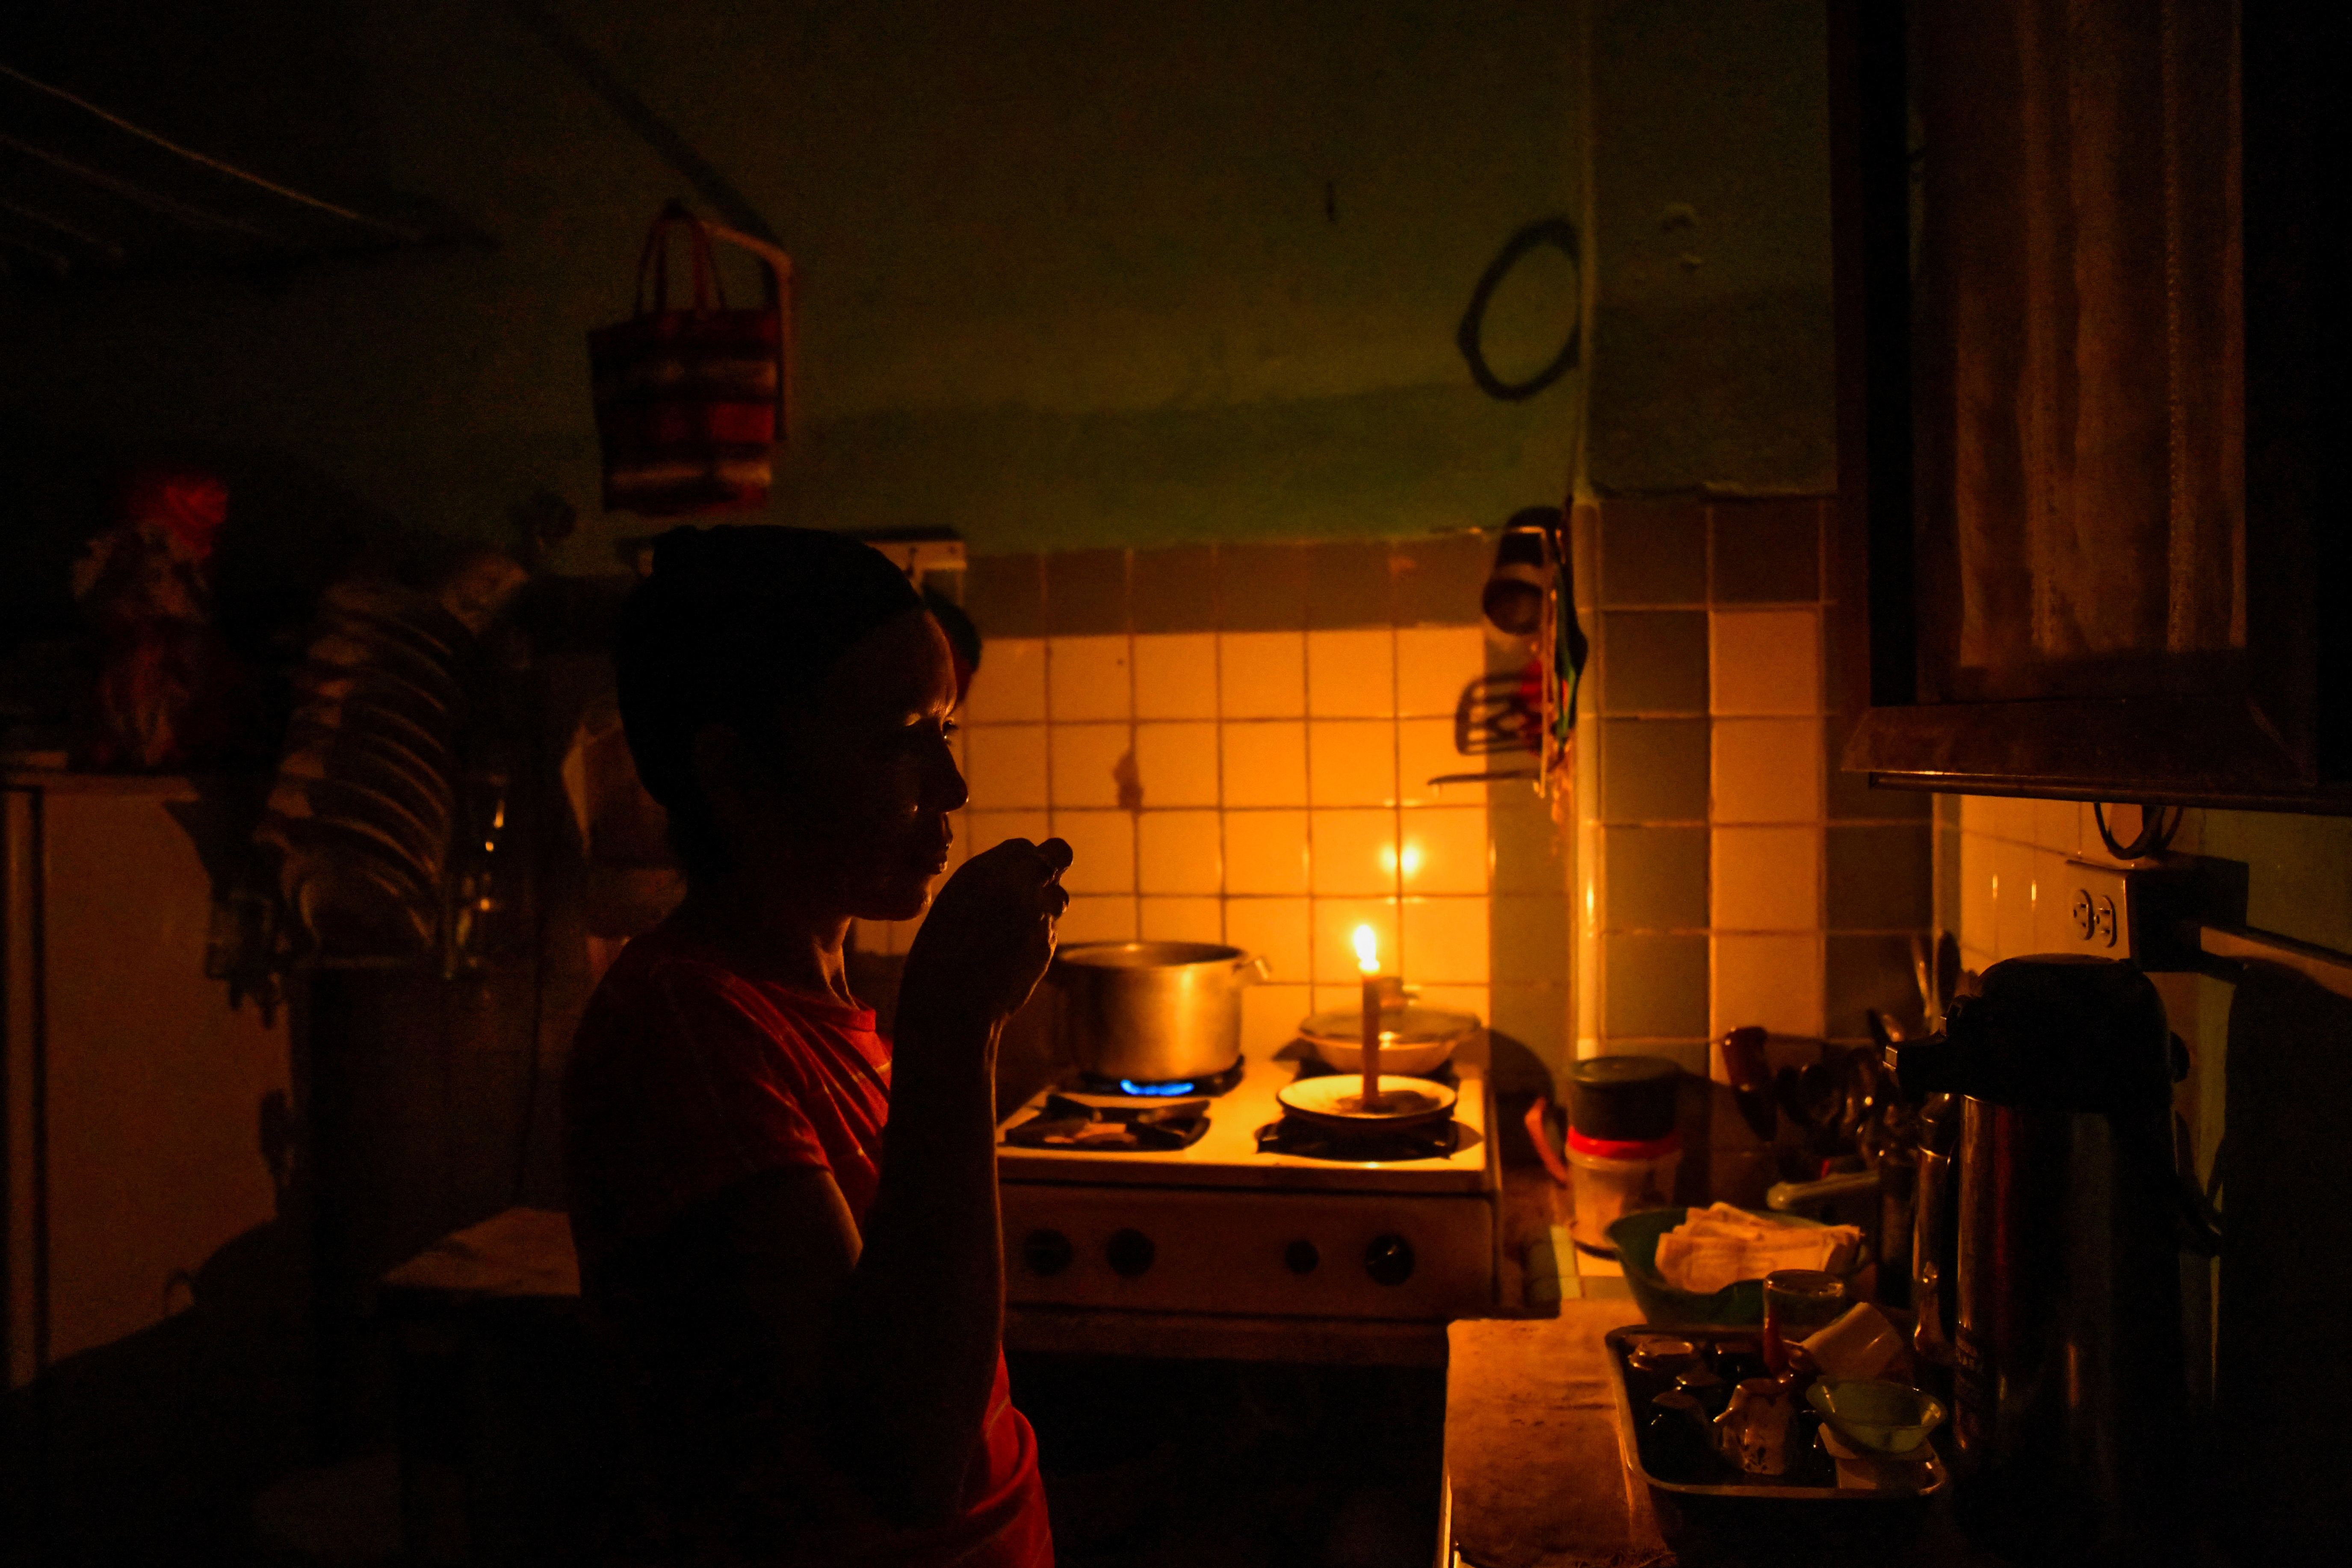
x,y
2148,914
2094,901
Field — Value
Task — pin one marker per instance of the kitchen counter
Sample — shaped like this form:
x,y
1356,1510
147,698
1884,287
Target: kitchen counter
x,y
1530,1436
1531,1442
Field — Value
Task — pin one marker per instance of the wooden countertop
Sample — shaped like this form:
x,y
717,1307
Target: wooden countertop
x,y
1531,1442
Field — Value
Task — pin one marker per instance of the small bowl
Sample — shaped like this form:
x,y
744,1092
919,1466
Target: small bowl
x,y
1414,1041
1888,1418
1739,1304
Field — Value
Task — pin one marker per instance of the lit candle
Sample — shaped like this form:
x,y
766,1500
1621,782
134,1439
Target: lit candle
x,y
1367,960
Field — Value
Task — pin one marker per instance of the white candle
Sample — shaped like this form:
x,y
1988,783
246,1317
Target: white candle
x,y
1368,960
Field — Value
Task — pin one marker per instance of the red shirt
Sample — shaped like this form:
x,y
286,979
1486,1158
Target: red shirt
x,y
684,1078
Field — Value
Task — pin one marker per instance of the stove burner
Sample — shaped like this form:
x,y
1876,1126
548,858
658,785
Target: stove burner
x,y
1310,1141
1211,1086
1092,1126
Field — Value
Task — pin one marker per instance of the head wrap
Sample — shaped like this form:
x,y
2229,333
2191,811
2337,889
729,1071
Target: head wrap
x,y
730,621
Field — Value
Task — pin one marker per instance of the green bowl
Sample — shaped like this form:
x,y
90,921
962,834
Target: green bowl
x,y
1875,1415
1739,1304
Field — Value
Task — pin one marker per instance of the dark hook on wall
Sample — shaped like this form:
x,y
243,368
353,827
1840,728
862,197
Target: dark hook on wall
x,y
1560,235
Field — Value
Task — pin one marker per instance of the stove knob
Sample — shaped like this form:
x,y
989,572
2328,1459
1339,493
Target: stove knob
x,y
1300,1257
1388,1260
1047,1252
1130,1253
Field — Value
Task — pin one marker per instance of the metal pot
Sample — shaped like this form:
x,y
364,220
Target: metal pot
x,y
1152,1012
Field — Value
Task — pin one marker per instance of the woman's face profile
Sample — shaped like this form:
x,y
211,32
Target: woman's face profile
x,y
857,807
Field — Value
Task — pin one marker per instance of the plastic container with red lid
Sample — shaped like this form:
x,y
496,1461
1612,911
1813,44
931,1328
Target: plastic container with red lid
x,y
1623,1149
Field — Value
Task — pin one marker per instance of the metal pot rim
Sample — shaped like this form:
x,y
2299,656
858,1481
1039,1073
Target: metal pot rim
x,y
1120,956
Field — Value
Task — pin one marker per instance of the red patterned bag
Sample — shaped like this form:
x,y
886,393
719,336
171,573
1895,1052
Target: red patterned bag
x,y
690,402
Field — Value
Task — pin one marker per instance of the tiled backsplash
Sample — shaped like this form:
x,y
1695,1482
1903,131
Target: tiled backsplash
x,y
1731,874
1238,741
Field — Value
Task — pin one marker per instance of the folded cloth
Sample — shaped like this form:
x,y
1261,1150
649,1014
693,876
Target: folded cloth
x,y
1720,1246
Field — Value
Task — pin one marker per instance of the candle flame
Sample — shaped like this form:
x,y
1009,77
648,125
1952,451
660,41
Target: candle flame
x,y
1367,949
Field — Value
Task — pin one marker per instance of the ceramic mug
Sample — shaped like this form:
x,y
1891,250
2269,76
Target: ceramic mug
x,y
1754,1430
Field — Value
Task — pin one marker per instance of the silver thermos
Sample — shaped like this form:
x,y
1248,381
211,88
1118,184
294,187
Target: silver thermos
x,y
2063,1228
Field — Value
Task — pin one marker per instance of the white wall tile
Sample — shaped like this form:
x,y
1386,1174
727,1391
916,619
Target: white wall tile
x,y
1433,664
2053,906
1265,763
1425,751
1262,675
1102,847
1092,919
1176,675
1978,914
1478,1001
1005,766
1176,764
1010,686
1085,764
2054,826
1976,815
1086,678
1766,879
1446,941
1351,761
1765,661
1351,674
1270,1015
1181,920
1266,851
1275,930
990,828
2013,866
1767,769
1445,849
1179,852
2011,817
1774,980
1353,853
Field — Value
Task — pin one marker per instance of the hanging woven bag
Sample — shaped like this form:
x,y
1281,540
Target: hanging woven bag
x,y
690,401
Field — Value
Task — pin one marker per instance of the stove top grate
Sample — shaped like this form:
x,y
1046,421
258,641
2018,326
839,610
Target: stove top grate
x,y
1067,1123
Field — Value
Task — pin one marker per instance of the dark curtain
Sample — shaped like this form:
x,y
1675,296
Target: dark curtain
x,y
2080,388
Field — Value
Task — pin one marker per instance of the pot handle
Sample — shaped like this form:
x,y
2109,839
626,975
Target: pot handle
x,y
1251,969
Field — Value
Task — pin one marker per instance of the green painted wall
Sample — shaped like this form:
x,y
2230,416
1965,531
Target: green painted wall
x,y
1713,366
1072,274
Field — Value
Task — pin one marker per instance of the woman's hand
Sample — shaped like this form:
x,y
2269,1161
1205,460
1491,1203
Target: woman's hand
x,y
989,935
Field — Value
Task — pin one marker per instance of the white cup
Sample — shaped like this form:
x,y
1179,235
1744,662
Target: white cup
x,y
1864,1343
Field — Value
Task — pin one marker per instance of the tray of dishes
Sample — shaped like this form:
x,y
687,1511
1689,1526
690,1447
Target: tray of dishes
x,y
1741,1468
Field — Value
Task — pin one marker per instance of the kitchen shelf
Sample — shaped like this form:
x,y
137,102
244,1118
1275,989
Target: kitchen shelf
x,y
91,194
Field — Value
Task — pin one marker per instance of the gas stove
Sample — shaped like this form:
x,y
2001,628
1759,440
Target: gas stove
x,y
1218,1208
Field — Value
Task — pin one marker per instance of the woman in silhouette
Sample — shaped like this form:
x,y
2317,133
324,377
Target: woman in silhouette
x,y
790,1221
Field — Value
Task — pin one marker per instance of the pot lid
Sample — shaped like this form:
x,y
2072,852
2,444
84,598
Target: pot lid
x,y
1405,1026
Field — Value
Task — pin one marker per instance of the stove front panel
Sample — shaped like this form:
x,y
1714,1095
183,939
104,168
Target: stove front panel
x,y
1372,1256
